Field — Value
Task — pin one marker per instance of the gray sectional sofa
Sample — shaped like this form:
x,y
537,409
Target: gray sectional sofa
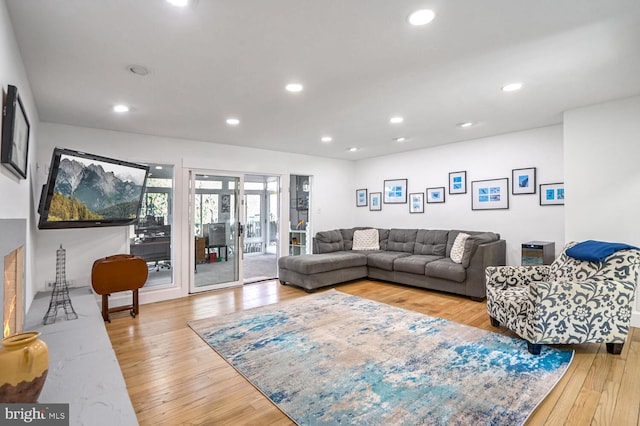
x,y
415,257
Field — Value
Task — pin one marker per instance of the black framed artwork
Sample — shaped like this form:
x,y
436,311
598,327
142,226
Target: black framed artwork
x,y
416,202
395,191
375,201
490,194
435,195
552,194
523,181
15,134
361,198
458,182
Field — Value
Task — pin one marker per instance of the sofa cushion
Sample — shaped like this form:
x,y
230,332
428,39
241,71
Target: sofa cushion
x,y
384,238
315,263
347,236
414,264
384,259
431,242
457,250
366,239
329,241
402,240
446,269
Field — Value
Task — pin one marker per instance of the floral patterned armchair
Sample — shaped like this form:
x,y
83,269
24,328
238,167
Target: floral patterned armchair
x,y
569,301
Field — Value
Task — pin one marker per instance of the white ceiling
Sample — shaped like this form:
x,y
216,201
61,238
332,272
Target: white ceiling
x,y
359,60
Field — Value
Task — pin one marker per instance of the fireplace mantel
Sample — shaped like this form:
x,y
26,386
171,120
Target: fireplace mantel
x,y
83,368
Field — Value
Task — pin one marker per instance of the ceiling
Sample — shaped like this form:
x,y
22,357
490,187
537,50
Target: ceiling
x,y
359,60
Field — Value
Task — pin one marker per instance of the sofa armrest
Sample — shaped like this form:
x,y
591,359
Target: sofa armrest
x,y
509,276
487,254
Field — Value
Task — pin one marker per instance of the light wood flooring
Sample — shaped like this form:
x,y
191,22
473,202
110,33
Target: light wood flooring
x,y
175,378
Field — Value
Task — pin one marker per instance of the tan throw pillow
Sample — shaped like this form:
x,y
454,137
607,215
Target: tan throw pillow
x,y
366,239
457,251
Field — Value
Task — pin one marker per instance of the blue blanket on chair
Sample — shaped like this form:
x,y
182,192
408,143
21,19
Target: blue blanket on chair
x,y
596,251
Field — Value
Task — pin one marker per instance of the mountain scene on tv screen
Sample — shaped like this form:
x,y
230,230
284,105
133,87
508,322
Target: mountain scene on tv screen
x,y
86,191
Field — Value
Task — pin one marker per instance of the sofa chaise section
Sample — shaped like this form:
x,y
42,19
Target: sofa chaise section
x,y
311,271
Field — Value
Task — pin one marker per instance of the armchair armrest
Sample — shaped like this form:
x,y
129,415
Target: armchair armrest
x,y
509,276
581,311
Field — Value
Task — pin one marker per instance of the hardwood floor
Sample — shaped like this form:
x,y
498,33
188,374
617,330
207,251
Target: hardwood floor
x,y
175,378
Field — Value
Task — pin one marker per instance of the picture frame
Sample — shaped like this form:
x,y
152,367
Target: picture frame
x,y
523,181
302,203
395,191
552,194
15,134
416,204
375,201
490,194
361,197
435,195
458,182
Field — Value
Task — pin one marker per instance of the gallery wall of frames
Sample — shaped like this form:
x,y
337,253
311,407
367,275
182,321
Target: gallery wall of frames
x,y
488,194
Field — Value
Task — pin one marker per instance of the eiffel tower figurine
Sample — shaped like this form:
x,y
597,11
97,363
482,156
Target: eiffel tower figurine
x,y
60,294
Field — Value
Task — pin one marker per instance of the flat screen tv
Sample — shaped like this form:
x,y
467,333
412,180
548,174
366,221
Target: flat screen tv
x,y
86,190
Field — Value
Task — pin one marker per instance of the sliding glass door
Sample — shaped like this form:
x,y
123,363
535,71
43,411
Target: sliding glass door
x,y
217,231
261,194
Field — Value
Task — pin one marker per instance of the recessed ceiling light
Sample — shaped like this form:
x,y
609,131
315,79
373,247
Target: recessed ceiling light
x,y
326,139
353,149
396,120
294,87
466,124
121,108
179,3
158,167
511,87
400,139
421,17
138,70
233,121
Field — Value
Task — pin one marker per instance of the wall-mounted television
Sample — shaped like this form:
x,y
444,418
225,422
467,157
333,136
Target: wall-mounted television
x,y
86,190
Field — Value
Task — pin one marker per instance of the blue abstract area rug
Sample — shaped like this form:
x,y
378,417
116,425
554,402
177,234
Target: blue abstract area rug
x,y
332,358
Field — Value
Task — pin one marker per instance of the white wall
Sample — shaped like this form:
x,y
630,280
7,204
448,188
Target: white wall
x,y
486,158
330,187
17,194
602,152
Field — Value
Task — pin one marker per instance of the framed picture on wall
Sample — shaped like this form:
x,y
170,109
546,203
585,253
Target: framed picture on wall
x,y
552,194
361,197
416,202
523,181
375,201
395,191
490,194
15,134
435,195
458,182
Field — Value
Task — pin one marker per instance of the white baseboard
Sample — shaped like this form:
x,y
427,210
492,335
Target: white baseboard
x,y
635,319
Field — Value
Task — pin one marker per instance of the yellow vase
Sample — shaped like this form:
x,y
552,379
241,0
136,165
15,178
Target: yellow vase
x,y
24,363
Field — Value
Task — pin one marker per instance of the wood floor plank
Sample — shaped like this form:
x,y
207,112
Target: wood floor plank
x,y
627,411
175,378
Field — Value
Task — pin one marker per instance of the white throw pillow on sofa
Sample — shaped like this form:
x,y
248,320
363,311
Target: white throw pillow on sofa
x,y
366,239
457,250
